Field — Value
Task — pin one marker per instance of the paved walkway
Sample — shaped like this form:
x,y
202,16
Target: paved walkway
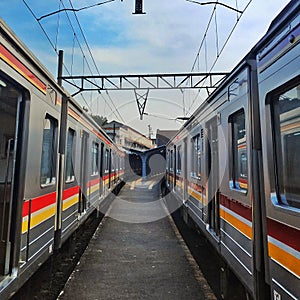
x,y
137,253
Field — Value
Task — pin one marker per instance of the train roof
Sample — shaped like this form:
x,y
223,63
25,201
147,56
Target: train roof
x,y
283,18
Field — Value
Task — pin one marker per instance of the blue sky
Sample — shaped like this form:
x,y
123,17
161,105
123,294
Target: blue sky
x,y
164,40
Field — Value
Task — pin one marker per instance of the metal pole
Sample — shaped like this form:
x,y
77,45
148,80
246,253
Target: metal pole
x,y
60,67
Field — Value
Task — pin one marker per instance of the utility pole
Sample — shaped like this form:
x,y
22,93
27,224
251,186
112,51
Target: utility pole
x,y
60,67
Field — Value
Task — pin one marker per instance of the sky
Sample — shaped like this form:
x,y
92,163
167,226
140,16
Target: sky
x,y
166,39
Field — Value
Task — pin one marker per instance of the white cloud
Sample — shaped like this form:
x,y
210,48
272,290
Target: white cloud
x,y
165,39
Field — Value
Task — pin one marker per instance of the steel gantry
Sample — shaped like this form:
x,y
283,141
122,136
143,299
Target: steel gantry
x,y
141,84
208,81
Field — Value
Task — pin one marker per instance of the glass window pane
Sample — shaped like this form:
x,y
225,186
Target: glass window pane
x,y
239,162
49,151
95,158
70,176
286,128
178,159
106,160
196,156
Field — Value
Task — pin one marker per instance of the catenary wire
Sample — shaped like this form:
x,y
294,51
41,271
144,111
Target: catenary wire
x,y
92,57
84,58
220,52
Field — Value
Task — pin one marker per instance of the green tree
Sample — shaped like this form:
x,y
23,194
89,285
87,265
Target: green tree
x,y
100,120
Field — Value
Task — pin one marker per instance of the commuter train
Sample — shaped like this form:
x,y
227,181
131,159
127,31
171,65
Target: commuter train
x,y
234,166
56,164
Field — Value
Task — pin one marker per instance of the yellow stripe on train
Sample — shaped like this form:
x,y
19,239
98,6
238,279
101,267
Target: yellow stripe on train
x,y
236,223
41,216
70,202
25,224
284,258
193,193
93,189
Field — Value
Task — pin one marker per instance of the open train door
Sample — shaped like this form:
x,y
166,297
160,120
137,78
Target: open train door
x,y
12,115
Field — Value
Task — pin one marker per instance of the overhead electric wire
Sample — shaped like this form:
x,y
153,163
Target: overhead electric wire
x,y
215,2
204,37
92,57
108,95
222,49
73,9
79,44
49,40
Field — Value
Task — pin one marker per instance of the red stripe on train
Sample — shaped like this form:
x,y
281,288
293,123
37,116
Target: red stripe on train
x,y
42,202
18,66
286,234
237,207
93,182
70,192
39,203
25,211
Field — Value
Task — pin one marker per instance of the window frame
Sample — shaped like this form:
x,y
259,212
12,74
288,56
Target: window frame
x,y
279,149
197,153
50,181
172,160
237,147
106,163
179,159
95,159
72,152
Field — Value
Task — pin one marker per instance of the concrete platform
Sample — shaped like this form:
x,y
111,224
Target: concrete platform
x,y
137,253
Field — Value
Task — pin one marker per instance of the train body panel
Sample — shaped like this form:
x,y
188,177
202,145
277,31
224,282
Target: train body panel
x,y
56,164
279,87
219,198
242,166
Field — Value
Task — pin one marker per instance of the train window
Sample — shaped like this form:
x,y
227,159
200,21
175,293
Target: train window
x,y
286,131
178,158
238,152
106,161
69,175
49,151
171,161
196,156
95,158
112,161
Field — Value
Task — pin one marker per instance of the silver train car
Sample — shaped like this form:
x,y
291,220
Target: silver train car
x,y
234,167
56,164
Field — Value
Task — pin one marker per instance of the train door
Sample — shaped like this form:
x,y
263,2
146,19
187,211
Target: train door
x,y
212,150
12,114
83,173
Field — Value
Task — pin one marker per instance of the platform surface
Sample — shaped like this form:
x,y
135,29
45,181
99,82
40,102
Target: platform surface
x,y
137,253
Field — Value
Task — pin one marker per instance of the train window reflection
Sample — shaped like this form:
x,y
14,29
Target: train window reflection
x,y
49,151
286,121
239,161
196,156
70,176
178,157
95,158
106,169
